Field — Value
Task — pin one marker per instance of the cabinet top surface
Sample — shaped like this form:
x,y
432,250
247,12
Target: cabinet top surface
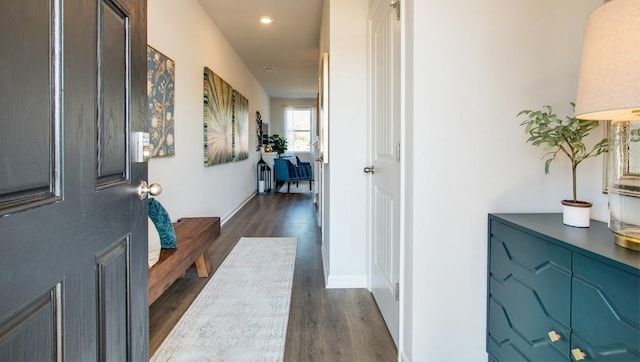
x,y
596,240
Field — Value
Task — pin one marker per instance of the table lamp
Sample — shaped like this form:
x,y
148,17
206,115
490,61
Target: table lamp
x,y
609,89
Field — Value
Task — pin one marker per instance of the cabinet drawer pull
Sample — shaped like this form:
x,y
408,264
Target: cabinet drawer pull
x,y
578,355
553,336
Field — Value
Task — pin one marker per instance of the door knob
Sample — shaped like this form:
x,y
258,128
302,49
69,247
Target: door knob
x,y
370,169
144,190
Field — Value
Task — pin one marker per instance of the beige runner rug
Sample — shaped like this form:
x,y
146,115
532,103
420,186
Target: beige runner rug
x,y
242,312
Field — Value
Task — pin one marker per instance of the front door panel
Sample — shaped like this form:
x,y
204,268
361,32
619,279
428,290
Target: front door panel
x,y
73,270
29,176
112,79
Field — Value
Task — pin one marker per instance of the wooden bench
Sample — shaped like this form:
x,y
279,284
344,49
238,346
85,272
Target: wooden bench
x,y
193,237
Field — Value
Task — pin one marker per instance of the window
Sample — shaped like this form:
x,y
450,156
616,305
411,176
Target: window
x,y
298,127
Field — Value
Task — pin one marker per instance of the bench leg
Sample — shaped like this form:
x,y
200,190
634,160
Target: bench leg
x,y
203,265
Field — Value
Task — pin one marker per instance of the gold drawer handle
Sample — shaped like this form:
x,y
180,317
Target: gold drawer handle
x,y
578,355
553,336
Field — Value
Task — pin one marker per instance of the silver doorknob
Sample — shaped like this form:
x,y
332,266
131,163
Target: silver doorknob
x,y
370,169
145,190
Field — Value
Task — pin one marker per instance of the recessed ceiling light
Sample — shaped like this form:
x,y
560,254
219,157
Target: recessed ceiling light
x,y
266,19
270,69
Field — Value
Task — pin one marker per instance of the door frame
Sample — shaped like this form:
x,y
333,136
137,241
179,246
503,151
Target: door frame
x,y
406,162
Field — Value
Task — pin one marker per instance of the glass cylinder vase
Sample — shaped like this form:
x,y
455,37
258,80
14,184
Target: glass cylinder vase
x,y
623,175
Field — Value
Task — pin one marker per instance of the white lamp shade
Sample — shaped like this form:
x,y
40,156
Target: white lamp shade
x,y
609,82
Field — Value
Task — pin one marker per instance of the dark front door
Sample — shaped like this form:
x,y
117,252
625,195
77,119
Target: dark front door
x,y
73,270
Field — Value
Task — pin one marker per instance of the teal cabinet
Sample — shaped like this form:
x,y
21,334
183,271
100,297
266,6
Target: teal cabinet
x,y
557,292
606,314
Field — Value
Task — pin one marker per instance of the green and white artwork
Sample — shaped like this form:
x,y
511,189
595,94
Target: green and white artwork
x,y
226,122
240,127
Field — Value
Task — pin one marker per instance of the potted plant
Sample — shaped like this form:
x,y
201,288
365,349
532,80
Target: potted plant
x,y
278,143
564,137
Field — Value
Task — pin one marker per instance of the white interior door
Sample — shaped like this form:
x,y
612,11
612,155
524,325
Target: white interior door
x,y
384,156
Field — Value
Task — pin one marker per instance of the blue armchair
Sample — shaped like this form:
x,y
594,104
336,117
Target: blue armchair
x,y
285,171
306,167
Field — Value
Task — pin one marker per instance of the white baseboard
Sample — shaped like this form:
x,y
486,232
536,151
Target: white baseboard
x,y
325,267
228,216
346,281
403,356
340,281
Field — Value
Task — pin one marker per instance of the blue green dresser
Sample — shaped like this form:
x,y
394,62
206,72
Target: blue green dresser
x,y
559,293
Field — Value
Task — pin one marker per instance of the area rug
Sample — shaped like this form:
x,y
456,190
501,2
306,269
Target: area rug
x,y
302,188
242,313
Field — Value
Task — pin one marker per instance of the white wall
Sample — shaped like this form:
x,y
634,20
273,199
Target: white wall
x,y
182,31
473,66
347,143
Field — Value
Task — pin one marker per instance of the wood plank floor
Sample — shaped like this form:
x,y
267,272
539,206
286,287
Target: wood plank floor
x,y
324,324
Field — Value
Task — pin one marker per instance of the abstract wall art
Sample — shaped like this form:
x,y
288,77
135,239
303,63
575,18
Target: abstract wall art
x,y
161,102
240,127
226,122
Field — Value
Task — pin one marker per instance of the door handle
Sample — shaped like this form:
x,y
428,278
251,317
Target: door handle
x,y
578,355
145,190
554,336
370,169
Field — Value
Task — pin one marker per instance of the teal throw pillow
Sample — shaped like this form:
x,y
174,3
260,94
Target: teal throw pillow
x,y
162,221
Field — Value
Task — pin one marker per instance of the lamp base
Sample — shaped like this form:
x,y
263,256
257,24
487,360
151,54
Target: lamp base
x,y
628,242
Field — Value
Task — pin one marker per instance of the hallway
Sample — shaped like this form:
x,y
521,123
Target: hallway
x,y
324,324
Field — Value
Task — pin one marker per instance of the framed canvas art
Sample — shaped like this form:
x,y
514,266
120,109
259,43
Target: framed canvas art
x,y
240,127
161,103
226,122
218,120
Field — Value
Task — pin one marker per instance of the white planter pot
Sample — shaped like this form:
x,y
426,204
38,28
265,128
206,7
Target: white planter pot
x,y
576,214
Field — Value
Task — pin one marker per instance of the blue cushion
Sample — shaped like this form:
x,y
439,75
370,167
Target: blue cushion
x,y
162,221
306,170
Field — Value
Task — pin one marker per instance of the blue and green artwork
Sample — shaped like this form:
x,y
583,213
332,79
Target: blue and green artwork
x,y
161,102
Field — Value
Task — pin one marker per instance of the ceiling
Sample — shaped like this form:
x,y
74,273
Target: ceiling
x,y
289,44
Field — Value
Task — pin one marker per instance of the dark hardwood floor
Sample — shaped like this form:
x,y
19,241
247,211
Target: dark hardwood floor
x,y
324,324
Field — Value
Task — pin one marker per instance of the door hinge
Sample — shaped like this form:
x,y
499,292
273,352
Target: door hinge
x,y
397,292
398,152
396,5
